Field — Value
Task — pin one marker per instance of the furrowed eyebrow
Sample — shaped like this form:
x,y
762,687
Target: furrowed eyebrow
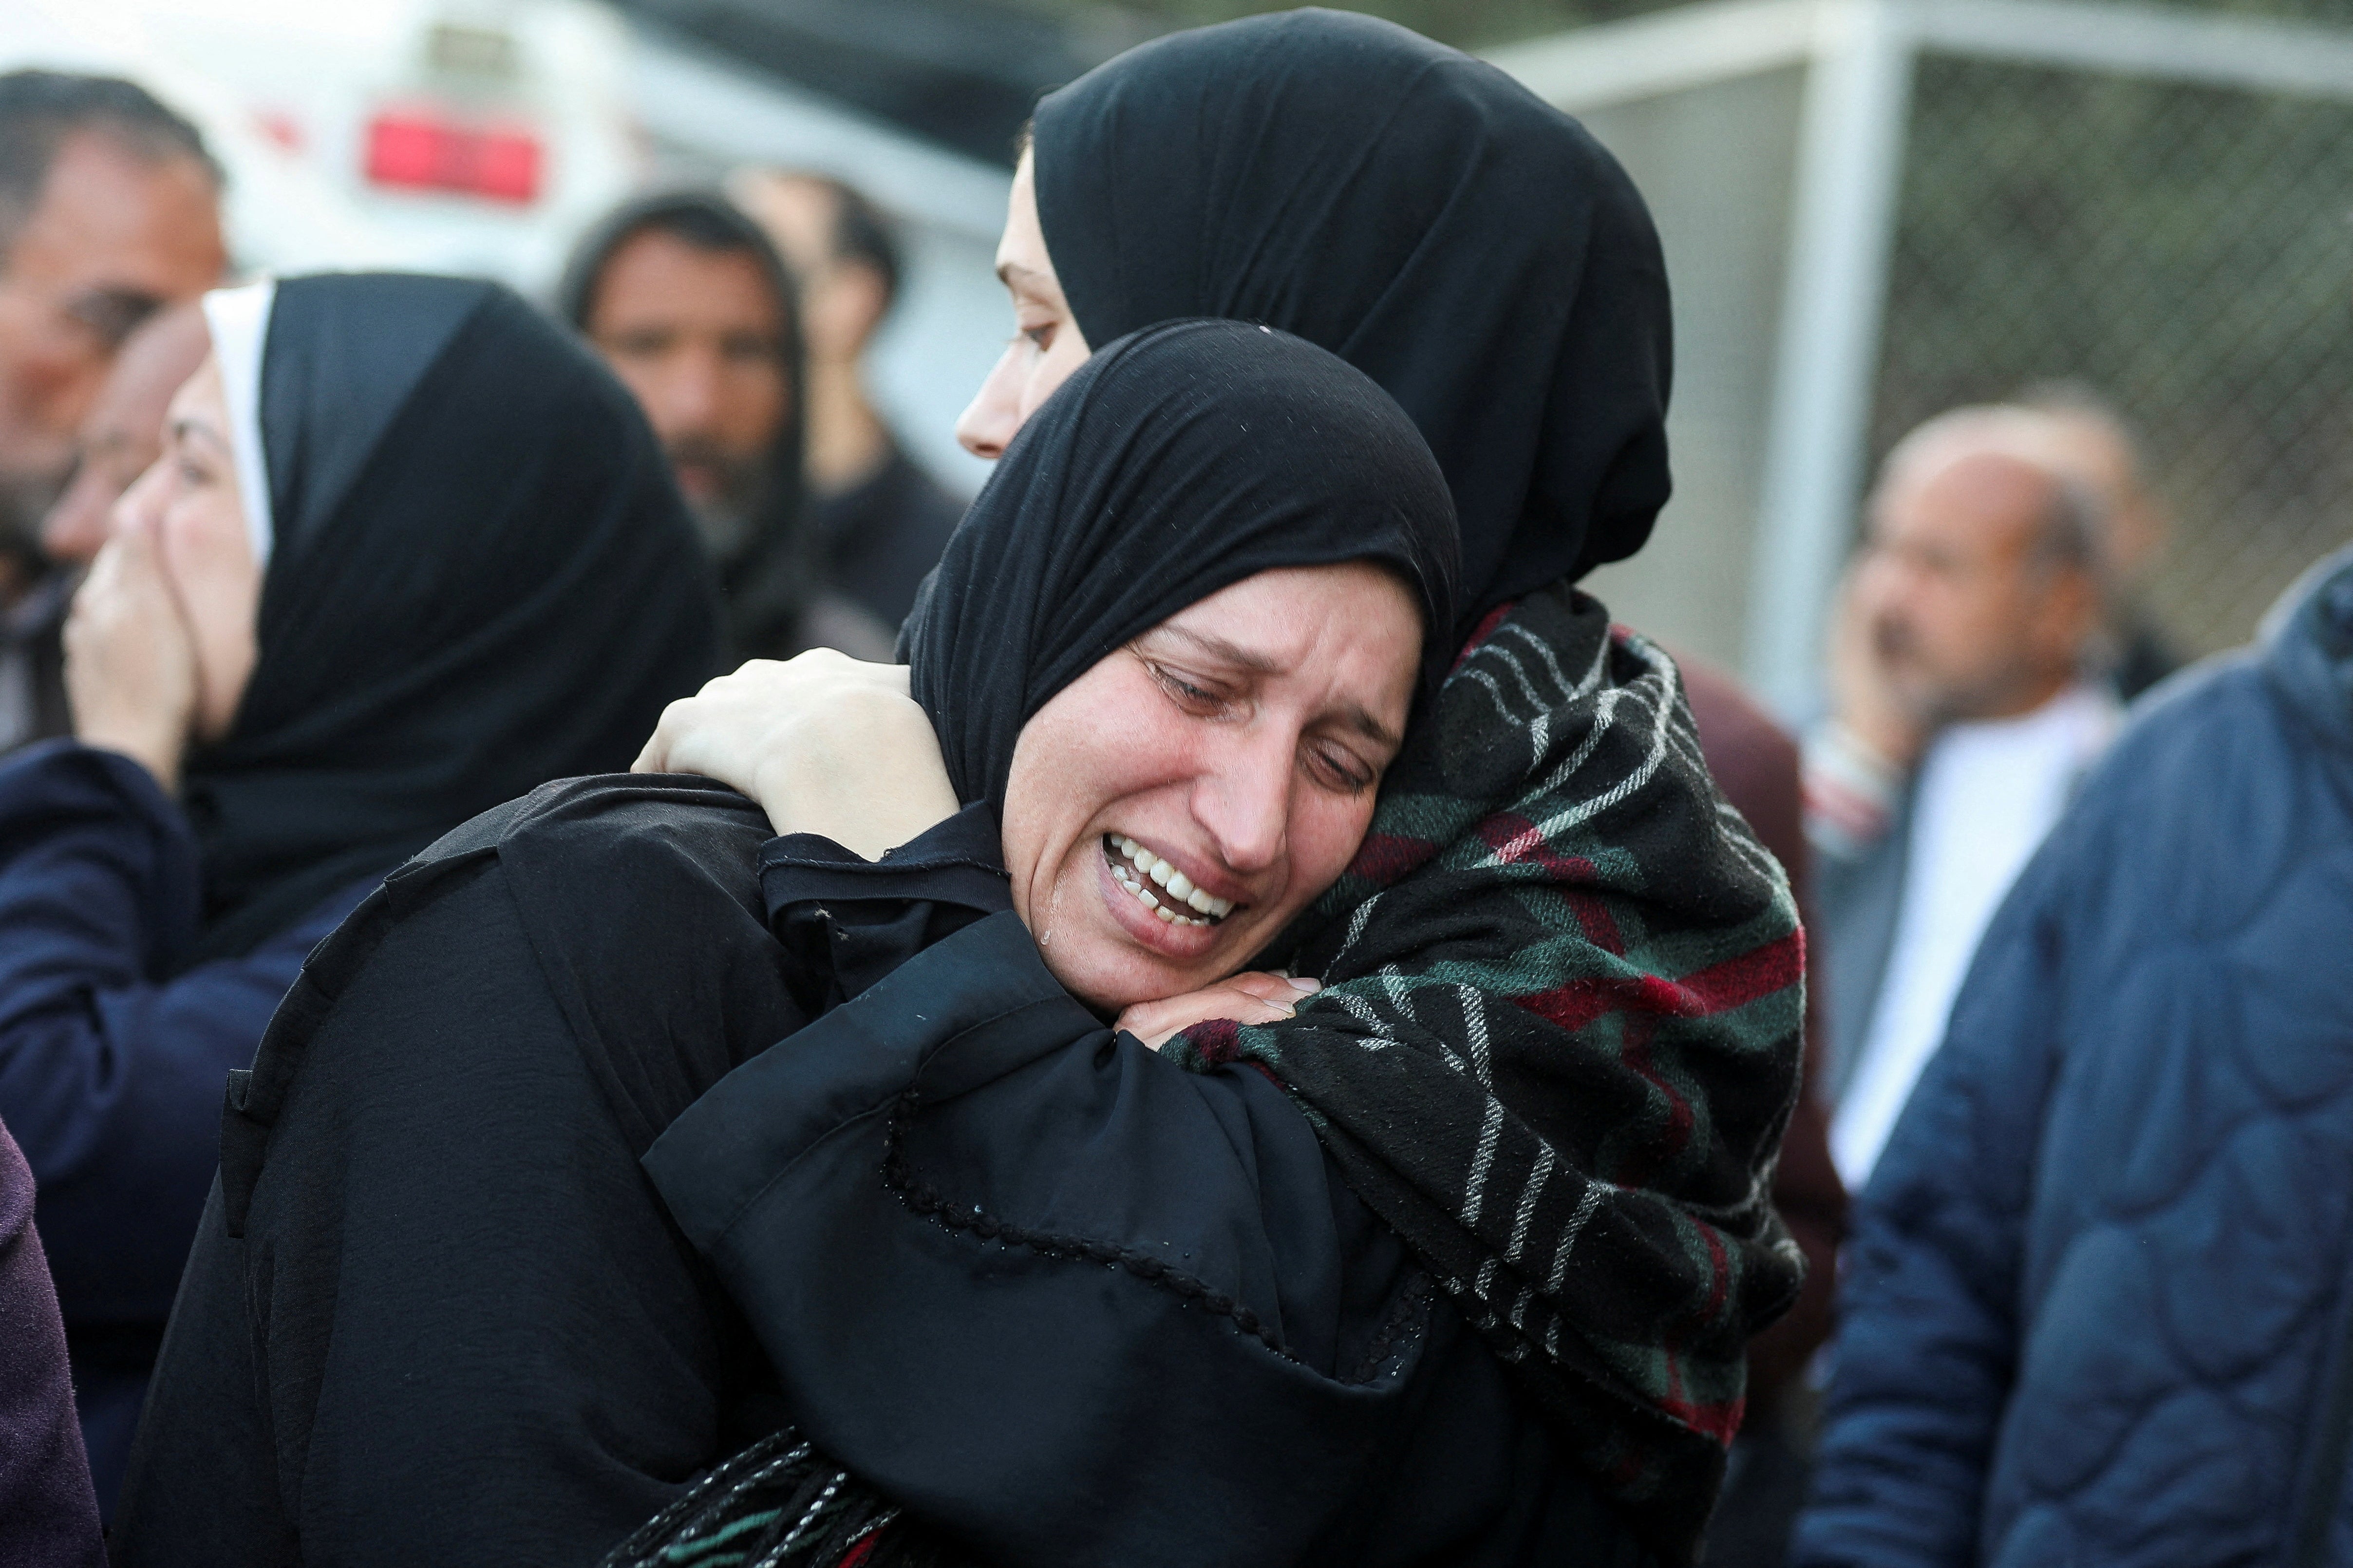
x,y
1222,650
1355,716
1362,721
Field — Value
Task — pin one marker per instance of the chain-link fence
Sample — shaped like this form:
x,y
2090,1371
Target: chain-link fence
x,y
1874,210
2186,252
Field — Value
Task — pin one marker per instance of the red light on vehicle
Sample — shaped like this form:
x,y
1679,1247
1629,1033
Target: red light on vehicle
x,y
423,150
506,165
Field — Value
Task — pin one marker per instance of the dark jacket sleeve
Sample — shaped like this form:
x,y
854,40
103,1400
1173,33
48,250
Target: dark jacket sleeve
x,y
111,1073
1078,1305
1928,1307
437,1315
48,1515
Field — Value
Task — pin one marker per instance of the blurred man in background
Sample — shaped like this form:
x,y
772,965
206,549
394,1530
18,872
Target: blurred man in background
x,y
1964,714
123,434
2091,439
2095,1309
687,300
881,521
110,208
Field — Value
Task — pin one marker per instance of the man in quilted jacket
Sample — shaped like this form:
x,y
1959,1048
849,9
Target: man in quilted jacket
x,y
2099,1305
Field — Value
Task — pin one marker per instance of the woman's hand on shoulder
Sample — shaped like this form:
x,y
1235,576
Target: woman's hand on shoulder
x,y
826,743
1250,998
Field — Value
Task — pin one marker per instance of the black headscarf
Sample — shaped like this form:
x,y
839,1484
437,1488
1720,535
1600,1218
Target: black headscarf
x,y
481,579
1418,213
770,582
1176,462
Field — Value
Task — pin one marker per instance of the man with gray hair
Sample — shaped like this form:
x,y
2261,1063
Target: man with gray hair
x,y
110,208
1962,716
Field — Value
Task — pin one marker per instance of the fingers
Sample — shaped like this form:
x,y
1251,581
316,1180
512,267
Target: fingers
x,y
1253,997
1282,989
126,582
140,572
131,673
655,757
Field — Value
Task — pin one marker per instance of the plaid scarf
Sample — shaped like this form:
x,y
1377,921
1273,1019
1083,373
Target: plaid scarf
x,y
1558,1043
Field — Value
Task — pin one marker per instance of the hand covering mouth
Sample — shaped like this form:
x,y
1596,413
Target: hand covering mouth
x,y
1160,887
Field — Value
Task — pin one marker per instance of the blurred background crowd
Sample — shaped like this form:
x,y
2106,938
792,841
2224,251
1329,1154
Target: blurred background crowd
x,y
2011,345
1872,213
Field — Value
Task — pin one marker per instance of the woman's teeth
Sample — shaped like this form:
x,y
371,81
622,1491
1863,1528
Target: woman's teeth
x,y
1160,886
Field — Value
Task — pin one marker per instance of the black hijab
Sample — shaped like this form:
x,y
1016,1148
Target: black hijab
x,y
1176,462
770,581
482,578
1418,213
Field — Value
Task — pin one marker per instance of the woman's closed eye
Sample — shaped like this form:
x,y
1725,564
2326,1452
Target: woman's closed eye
x,y
1196,694
196,452
192,466
1335,767
1329,764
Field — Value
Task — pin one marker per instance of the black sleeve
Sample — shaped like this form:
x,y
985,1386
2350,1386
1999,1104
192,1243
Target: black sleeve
x,y
454,1325
846,921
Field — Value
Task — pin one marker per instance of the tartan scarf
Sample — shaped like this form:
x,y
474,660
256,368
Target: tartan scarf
x,y
1558,1043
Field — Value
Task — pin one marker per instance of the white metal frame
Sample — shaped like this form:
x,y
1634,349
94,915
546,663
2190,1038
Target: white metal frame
x,y
1859,55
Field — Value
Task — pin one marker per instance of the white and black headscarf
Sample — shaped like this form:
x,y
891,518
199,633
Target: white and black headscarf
x,y
477,576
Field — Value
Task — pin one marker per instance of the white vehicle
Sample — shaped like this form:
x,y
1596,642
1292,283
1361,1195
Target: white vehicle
x,y
484,136
474,136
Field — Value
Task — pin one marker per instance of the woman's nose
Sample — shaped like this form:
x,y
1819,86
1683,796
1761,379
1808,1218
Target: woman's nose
x,y
1245,804
989,421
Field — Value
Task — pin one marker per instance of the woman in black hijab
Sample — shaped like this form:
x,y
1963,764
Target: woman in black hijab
x,y
1041,1288
1560,1030
1415,211
409,553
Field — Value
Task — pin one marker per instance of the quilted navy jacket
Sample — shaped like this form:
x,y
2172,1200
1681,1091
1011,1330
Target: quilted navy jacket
x,y
2099,1307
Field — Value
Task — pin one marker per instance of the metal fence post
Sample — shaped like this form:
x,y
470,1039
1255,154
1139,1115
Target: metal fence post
x,y
1850,169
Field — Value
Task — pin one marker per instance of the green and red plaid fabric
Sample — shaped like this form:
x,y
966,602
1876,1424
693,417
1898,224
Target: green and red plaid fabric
x,y
1558,1041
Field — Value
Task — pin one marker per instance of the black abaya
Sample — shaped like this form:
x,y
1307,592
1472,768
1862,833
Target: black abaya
x,y
437,1313
467,1336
